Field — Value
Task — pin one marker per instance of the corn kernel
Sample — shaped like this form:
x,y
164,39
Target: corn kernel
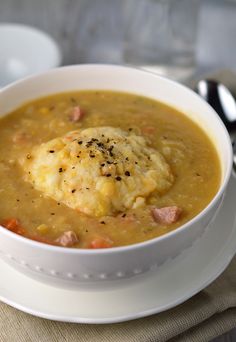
x,y
107,188
139,202
42,228
44,110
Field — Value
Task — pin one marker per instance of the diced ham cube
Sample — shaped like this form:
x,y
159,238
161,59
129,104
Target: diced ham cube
x,y
67,239
76,114
166,215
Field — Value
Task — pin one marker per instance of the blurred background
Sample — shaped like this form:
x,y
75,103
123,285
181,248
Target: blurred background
x,y
177,38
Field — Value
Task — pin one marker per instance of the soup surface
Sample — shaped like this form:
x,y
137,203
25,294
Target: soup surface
x,y
96,169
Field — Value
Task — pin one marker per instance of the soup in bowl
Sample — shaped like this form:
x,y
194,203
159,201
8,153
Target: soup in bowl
x,y
106,172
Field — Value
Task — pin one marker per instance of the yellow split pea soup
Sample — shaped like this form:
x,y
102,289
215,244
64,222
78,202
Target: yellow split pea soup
x,y
97,169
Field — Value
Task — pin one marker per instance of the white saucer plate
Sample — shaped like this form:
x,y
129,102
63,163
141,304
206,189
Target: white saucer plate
x,y
173,283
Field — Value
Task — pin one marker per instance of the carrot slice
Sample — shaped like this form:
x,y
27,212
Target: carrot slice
x,y
14,226
101,243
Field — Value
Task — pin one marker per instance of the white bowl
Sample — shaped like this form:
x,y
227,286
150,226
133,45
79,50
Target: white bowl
x,y
70,267
24,51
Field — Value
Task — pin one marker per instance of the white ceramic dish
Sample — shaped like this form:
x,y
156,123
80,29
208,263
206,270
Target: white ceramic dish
x,y
172,284
24,51
111,267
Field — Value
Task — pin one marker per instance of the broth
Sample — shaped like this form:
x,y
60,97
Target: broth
x,y
187,150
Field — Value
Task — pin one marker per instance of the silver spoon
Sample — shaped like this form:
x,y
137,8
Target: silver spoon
x,y
222,100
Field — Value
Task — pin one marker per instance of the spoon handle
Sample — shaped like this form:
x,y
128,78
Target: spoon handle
x,y
221,99
234,157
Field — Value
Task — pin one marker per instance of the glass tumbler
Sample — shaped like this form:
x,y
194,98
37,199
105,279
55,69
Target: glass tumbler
x,y
160,36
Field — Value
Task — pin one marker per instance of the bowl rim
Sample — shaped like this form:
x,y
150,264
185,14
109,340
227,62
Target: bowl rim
x,y
147,243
